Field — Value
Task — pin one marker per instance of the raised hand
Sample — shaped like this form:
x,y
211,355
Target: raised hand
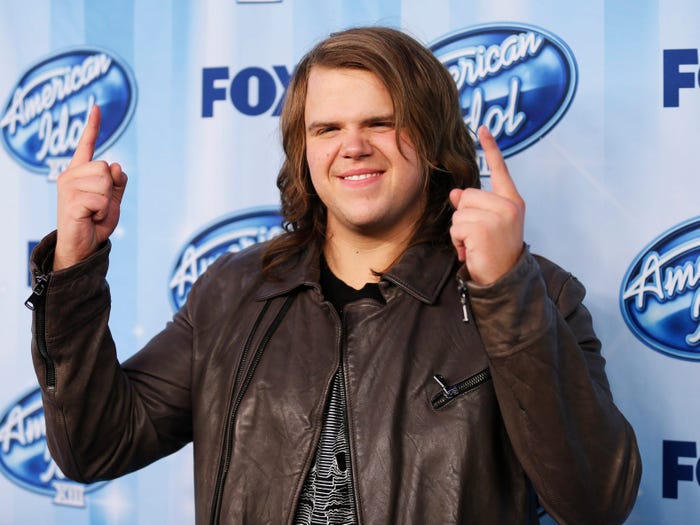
x,y
89,198
487,227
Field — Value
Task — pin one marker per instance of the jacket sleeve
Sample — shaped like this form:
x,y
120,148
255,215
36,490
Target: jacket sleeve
x,y
575,446
103,420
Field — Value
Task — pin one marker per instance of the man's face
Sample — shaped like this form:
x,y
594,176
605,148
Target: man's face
x,y
370,188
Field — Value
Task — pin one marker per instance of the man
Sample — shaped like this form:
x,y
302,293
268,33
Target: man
x,y
398,356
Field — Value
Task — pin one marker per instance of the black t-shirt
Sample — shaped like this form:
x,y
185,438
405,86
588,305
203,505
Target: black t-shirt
x,y
340,294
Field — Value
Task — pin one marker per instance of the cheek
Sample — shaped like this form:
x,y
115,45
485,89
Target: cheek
x,y
410,155
406,157
318,159
316,169
410,165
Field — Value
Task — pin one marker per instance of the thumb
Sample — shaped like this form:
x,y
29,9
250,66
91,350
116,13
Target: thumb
x,y
86,145
119,180
455,195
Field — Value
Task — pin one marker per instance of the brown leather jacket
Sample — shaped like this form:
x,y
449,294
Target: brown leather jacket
x,y
244,370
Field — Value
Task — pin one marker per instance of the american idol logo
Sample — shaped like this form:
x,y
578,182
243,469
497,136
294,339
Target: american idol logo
x,y
660,294
25,458
46,113
516,79
232,233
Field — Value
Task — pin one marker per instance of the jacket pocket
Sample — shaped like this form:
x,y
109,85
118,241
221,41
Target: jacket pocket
x,y
449,392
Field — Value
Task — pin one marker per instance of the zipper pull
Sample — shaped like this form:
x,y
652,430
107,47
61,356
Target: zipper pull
x,y
41,282
462,287
449,391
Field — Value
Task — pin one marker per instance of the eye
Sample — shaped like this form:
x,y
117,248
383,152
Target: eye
x,y
382,125
325,130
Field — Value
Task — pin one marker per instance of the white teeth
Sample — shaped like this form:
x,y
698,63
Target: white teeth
x,y
361,177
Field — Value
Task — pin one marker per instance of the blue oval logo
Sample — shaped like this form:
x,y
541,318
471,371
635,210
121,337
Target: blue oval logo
x,y
25,458
660,294
516,79
47,110
231,233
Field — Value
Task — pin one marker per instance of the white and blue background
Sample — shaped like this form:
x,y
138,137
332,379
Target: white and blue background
x,y
190,96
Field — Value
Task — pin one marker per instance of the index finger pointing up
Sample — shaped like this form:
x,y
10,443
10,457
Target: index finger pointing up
x,y
501,181
86,145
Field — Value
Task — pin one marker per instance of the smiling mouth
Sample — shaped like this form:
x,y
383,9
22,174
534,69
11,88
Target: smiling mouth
x,y
363,176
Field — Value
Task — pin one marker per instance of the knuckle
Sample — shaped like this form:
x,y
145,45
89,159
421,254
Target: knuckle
x,y
519,201
513,211
467,195
101,205
455,234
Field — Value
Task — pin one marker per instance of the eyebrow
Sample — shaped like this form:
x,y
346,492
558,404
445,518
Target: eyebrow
x,y
365,122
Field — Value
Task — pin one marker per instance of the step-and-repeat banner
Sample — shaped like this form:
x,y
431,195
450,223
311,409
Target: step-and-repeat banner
x,y
595,104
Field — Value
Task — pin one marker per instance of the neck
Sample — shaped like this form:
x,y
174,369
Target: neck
x,y
355,260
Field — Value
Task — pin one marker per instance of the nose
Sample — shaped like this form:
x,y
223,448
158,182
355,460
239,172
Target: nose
x,y
355,145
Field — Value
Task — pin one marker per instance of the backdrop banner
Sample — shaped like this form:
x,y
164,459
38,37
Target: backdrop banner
x,y
594,104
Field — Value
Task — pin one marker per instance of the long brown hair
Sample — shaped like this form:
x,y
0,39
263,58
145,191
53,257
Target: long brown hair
x,y
426,106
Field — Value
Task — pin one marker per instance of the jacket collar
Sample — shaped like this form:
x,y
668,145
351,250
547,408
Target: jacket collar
x,y
422,272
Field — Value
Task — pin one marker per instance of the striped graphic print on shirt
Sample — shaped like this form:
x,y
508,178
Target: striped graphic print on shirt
x,y
327,497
